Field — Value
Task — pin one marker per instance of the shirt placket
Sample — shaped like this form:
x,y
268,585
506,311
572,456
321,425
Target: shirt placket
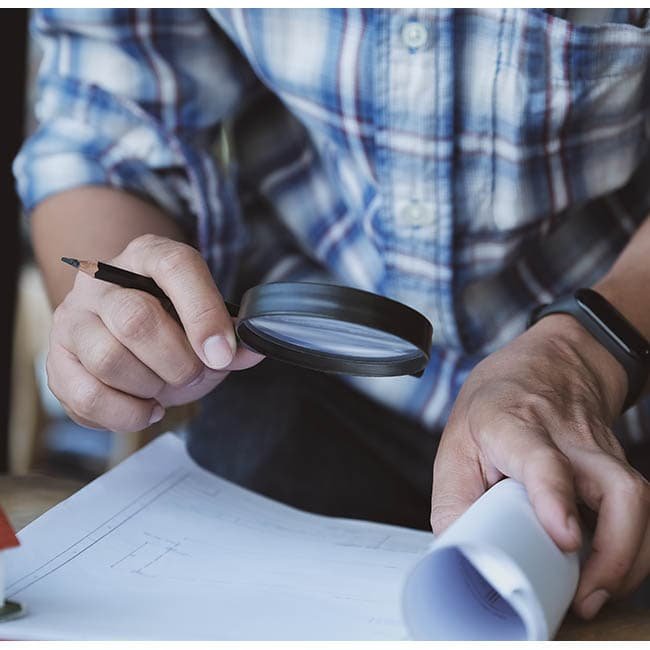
x,y
414,139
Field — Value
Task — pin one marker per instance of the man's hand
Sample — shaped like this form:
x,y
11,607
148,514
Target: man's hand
x,y
540,411
117,358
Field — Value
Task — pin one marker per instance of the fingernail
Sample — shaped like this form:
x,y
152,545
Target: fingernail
x,y
593,602
574,528
157,414
218,352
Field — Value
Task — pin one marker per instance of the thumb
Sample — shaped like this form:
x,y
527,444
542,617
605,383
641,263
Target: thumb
x,y
457,483
182,273
244,359
209,379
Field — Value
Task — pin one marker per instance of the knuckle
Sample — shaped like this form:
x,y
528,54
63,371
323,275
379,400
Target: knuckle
x,y
536,403
174,260
185,373
613,445
106,359
545,459
143,243
52,362
85,399
592,435
584,433
60,318
77,419
204,313
634,487
529,407
135,316
132,421
617,569
49,372
51,384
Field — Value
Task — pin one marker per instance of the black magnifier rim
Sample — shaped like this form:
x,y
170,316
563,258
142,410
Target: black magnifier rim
x,y
335,303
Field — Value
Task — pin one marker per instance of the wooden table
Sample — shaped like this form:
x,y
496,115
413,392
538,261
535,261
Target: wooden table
x,y
25,498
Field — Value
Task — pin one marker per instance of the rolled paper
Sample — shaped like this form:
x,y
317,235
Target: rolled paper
x,y
494,574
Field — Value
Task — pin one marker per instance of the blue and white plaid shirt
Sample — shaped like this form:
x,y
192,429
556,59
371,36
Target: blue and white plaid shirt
x,y
470,163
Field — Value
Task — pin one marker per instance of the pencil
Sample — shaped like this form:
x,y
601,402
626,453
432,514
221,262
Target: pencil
x,y
130,280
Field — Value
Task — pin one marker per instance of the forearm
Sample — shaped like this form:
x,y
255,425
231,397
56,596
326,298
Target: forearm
x,y
627,284
90,223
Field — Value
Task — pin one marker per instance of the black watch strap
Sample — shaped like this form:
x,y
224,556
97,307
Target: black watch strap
x,y
611,329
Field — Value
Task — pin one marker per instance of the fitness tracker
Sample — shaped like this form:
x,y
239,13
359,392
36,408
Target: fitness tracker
x,y
611,329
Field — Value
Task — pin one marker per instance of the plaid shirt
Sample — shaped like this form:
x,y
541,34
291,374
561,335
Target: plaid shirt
x,y
470,163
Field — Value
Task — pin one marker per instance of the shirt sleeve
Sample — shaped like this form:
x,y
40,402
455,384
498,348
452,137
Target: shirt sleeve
x,y
133,98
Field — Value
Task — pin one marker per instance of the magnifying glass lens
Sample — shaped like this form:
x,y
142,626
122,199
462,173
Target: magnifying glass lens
x,y
333,337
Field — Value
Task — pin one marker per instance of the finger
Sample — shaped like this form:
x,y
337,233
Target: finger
x,y
244,359
140,323
104,357
174,396
640,569
184,276
526,454
171,396
93,402
457,481
621,497
86,424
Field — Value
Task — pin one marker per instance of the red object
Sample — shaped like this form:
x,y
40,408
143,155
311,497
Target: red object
x,y
8,537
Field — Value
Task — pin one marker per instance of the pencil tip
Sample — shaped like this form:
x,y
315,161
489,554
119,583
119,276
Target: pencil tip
x,y
71,261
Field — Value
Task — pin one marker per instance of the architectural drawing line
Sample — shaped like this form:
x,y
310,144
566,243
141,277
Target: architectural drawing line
x,y
99,539
169,549
129,554
64,551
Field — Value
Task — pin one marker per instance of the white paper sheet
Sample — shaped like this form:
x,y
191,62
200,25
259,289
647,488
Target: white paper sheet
x,y
158,548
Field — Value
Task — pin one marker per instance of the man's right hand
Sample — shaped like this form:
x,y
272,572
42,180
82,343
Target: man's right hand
x,y
117,358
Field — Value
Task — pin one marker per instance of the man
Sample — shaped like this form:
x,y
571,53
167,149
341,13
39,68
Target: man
x,y
470,163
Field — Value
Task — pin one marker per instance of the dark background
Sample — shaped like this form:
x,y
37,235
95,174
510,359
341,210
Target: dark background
x,y
13,49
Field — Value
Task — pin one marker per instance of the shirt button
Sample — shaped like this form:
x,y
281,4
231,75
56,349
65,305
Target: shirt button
x,y
417,214
414,35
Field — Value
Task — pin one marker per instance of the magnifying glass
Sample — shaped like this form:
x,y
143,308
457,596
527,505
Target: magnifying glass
x,y
318,326
333,329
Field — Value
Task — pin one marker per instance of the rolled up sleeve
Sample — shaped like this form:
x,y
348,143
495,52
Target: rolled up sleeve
x,y
133,98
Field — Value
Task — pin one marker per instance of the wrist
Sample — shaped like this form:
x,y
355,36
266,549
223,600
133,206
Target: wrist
x,y
571,337
624,297
620,292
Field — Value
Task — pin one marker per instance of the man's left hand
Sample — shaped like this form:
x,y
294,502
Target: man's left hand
x,y
540,411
